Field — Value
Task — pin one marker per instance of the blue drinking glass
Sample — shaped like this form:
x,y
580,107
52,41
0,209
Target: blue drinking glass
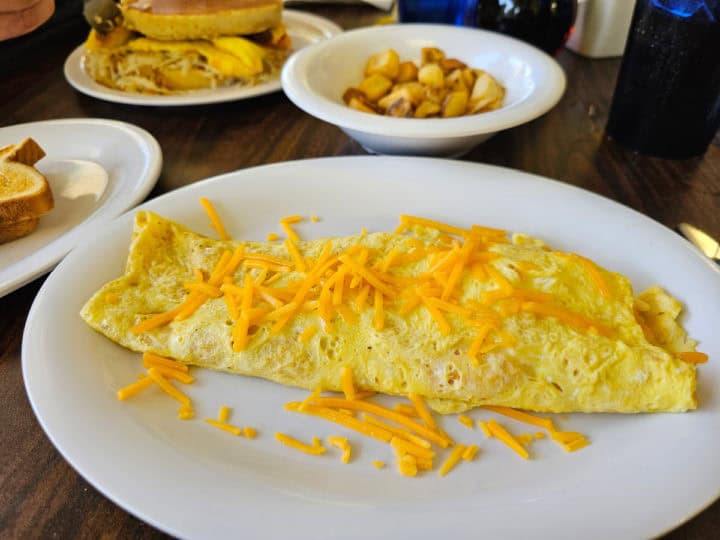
x,y
457,12
667,99
543,23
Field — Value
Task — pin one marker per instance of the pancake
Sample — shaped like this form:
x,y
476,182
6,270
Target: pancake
x,y
467,320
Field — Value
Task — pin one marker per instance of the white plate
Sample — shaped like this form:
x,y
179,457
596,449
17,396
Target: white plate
x,y
642,474
130,156
304,29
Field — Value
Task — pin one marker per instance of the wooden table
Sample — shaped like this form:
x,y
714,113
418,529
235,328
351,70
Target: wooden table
x,y
40,495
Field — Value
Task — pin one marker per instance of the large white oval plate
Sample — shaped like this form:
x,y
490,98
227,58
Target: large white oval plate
x,y
304,29
642,474
130,156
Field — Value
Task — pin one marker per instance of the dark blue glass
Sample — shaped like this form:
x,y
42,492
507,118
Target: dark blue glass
x,y
544,23
458,12
667,99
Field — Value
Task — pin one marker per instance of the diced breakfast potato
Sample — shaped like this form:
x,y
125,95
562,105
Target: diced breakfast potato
x,y
485,91
455,104
469,77
431,75
375,86
401,108
414,89
358,105
351,93
385,63
407,71
435,95
455,80
427,108
401,93
451,64
431,55
440,87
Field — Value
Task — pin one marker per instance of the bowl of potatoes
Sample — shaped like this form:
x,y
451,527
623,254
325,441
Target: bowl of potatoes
x,y
423,89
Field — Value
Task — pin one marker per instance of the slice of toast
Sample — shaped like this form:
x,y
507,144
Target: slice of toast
x,y
24,193
17,229
26,151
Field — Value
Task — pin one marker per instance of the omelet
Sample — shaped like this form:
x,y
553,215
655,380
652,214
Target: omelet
x,y
462,317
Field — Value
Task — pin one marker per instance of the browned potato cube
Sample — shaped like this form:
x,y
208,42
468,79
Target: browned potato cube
x,y
431,55
469,77
385,63
401,108
435,95
353,93
375,86
407,71
392,97
485,91
455,104
431,75
455,80
358,105
415,90
451,64
427,108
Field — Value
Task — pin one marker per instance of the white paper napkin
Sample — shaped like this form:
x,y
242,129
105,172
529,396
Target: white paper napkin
x,y
384,5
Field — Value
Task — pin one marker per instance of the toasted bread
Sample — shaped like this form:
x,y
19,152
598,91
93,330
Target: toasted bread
x,y
24,193
17,229
26,151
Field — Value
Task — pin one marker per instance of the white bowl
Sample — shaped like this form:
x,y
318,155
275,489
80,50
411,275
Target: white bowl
x,y
316,77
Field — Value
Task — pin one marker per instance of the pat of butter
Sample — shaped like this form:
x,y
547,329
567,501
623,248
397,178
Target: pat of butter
x,y
76,178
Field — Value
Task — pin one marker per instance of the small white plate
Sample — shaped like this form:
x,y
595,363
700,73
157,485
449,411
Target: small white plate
x,y
642,474
304,29
97,169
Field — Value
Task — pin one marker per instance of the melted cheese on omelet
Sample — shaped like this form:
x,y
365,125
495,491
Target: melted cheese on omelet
x,y
519,325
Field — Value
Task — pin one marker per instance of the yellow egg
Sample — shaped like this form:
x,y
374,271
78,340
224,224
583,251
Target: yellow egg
x,y
460,323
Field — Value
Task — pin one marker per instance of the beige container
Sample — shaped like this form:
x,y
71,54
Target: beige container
x,y
601,27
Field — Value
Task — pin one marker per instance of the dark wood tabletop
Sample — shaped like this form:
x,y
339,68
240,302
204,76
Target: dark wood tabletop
x,y
41,496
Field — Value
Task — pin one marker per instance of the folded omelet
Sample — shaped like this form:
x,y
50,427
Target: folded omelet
x,y
463,317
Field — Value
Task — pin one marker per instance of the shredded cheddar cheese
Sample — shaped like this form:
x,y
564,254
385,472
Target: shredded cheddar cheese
x,y
452,460
395,430
249,432
428,433
287,440
470,452
348,385
410,448
291,219
167,387
425,415
186,412
272,237
466,421
503,435
378,464
152,359
223,414
485,429
225,427
693,357
407,465
292,235
343,444
521,416
132,389
214,218
308,333
407,410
